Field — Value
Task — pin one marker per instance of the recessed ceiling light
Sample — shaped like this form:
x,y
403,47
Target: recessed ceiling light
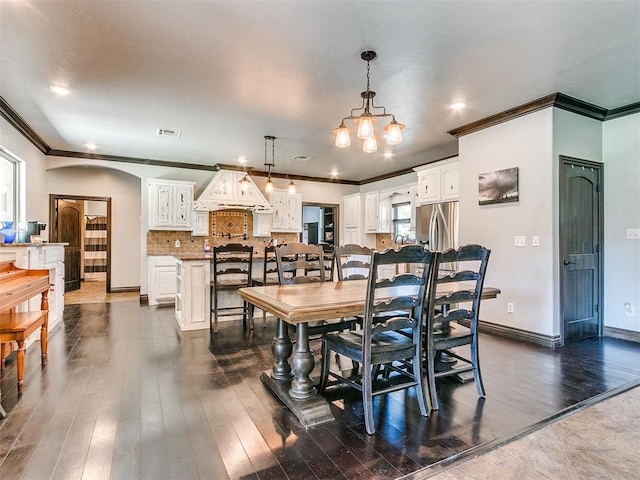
x,y
458,105
57,89
388,155
334,173
242,159
90,146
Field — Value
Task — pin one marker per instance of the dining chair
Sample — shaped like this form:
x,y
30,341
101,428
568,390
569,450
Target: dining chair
x,y
382,343
231,269
269,274
353,261
300,263
462,281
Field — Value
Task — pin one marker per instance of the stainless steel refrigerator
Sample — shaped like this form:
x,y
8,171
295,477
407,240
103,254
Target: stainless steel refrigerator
x,y
437,226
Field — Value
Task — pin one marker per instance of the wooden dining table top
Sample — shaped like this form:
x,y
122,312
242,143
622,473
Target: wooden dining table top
x,y
323,300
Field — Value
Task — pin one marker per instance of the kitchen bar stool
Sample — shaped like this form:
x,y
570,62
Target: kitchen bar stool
x,y
231,270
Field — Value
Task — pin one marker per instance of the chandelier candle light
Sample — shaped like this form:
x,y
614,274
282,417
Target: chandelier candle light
x,y
366,120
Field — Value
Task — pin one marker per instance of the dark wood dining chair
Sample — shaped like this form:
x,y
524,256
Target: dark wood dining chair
x,y
231,269
353,261
300,263
383,343
465,271
269,274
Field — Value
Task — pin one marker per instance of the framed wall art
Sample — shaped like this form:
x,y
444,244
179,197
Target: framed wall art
x,y
500,186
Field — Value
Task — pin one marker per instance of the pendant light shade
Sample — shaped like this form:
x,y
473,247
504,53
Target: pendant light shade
x,y
366,119
244,183
291,187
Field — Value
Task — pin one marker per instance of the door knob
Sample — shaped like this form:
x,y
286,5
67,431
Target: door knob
x,y
567,262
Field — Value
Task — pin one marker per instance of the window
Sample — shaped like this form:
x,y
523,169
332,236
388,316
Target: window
x,y
10,167
401,216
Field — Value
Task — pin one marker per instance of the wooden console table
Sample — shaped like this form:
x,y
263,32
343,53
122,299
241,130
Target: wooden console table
x,y
18,285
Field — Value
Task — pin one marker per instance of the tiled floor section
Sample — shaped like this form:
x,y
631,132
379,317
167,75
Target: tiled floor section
x,y
96,292
592,443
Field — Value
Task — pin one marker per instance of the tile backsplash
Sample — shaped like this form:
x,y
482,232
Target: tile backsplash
x,y
223,222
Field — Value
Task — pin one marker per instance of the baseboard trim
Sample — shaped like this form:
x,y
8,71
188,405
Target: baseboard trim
x,y
124,289
621,333
518,334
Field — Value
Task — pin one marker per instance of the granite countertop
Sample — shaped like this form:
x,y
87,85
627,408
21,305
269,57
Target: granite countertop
x,y
41,244
185,257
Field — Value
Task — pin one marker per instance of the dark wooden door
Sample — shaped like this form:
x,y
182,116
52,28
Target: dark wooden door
x,y
70,216
580,248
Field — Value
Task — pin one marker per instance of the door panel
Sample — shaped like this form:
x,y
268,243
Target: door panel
x,y
580,238
69,231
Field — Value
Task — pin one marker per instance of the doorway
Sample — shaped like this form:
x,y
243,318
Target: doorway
x,y
319,223
581,240
84,223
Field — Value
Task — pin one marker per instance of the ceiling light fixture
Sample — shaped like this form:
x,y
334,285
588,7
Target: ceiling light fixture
x,y
90,146
245,182
60,90
366,120
458,105
291,187
268,186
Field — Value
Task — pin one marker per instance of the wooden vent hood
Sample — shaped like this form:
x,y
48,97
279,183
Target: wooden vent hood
x,y
224,192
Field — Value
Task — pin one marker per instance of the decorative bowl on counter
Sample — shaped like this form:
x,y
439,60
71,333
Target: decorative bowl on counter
x,y
6,228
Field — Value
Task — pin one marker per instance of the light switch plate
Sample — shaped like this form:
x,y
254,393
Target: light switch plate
x,y
633,233
520,241
535,241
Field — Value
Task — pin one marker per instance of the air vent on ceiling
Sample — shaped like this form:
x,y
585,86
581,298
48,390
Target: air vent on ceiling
x,y
302,158
165,132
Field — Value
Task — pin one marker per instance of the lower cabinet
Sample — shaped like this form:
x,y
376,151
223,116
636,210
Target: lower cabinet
x,y
162,279
192,302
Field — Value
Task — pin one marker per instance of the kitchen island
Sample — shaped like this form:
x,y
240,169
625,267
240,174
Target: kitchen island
x,y
193,300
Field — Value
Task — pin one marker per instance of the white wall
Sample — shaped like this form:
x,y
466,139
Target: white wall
x,y
621,153
124,190
37,199
523,274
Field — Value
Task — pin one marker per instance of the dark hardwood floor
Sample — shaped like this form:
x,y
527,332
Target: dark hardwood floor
x,y
125,396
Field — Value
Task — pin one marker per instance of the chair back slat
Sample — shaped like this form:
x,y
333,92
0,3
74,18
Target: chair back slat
x,y
402,296
304,262
352,261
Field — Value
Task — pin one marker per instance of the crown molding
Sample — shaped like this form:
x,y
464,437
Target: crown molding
x,y
259,173
558,100
16,121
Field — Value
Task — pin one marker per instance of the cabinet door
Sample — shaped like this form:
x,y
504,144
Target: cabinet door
x,y
384,215
182,205
278,202
351,235
351,212
200,224
166,283
429,186
294,212
371,207
161,205
450,189
261,224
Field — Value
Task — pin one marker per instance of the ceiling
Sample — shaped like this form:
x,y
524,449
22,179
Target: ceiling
x,y
226,73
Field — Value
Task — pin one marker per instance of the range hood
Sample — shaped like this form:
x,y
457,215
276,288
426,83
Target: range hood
x,y
224,192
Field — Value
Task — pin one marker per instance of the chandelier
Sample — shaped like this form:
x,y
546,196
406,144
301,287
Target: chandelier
x,y
270,165
366,120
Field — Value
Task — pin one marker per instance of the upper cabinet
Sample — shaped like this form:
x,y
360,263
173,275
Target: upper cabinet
x,y
287,211
377,213
200,224
170,204
352,211
438,182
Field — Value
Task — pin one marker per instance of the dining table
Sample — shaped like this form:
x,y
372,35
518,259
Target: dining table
x,y
289,378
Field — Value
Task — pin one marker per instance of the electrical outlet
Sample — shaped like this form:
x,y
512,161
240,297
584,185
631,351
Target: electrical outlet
x,y
509,307
633,233
629,310
176,244
535,241
520,241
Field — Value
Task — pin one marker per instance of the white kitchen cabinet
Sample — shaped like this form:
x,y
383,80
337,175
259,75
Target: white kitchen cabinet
x,y
261,224
438,182
450,188
192,300
377,213
200,224
352,211
162,279
287,211
170,204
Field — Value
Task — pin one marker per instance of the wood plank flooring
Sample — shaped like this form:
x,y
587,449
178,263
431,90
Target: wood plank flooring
x,y
126,396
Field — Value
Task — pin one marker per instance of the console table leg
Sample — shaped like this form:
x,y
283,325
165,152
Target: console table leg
x,y
20,365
